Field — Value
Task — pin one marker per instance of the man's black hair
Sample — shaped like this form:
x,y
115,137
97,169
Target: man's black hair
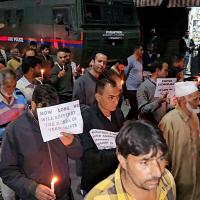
x,y
45,95
122,61
158,64
30,62
67,50
44,46
140,138
33,43
101,84
137,46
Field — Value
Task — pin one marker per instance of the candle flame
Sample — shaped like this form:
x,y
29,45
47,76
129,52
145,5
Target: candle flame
x,y
122,82
54,179
42,71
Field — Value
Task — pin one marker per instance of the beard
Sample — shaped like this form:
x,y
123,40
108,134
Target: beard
x,y
193,110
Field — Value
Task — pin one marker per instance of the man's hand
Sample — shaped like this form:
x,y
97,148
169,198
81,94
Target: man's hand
x,y
164,98
67,138
127,103
43,192
61,73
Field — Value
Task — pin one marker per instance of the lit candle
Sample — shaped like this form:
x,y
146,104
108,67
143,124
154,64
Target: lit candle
x,y
122,82
42,74
82,71
54,179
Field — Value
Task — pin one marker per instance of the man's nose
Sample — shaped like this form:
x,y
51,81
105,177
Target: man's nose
x,y
156,169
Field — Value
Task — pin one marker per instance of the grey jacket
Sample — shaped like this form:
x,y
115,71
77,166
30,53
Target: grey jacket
x,y
147,103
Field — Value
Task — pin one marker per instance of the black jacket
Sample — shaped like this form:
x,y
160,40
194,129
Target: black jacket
x,y
25,159
98,164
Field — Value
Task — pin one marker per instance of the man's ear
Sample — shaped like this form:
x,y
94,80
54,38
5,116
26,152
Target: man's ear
x,y
122,160
92,62
97,97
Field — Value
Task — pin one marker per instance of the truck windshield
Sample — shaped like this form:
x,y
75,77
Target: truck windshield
x,y
108,12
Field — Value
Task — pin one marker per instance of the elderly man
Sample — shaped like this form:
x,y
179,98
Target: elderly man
x,y
27,163
141,175
181,131
105,119
12,104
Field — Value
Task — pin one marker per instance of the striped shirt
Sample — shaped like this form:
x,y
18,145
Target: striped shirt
x,y
10,111
112,189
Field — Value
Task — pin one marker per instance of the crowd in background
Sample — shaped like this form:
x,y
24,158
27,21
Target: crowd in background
x,y
36,79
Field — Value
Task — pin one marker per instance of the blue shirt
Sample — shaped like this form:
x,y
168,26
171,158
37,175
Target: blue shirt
x,y
134,78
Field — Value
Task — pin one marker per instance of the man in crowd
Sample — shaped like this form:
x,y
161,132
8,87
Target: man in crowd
x,y
133,75
75,69
15,60
98,163
141,175
84,87
44,52
152,108
176,67
27,162
12,101
181,131
186,47
62,77
12,104
3,56
33,45
149,57
31,68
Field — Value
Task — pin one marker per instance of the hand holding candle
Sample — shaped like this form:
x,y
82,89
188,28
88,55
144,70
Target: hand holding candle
x,y
54,179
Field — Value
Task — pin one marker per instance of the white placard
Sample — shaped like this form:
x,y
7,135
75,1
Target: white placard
x,y
104,139
64,117
165,85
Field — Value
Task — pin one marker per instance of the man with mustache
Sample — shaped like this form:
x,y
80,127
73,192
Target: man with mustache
x,y
141,175
181,131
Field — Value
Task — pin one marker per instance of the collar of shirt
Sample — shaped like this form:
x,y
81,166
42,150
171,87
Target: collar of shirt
x,y
2,99
26,83
92,77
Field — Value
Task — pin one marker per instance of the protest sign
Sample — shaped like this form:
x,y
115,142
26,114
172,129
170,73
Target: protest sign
x,y
104,139
64,117
163,86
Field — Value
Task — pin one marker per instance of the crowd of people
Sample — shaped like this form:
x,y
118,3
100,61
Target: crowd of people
x,y
157,146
